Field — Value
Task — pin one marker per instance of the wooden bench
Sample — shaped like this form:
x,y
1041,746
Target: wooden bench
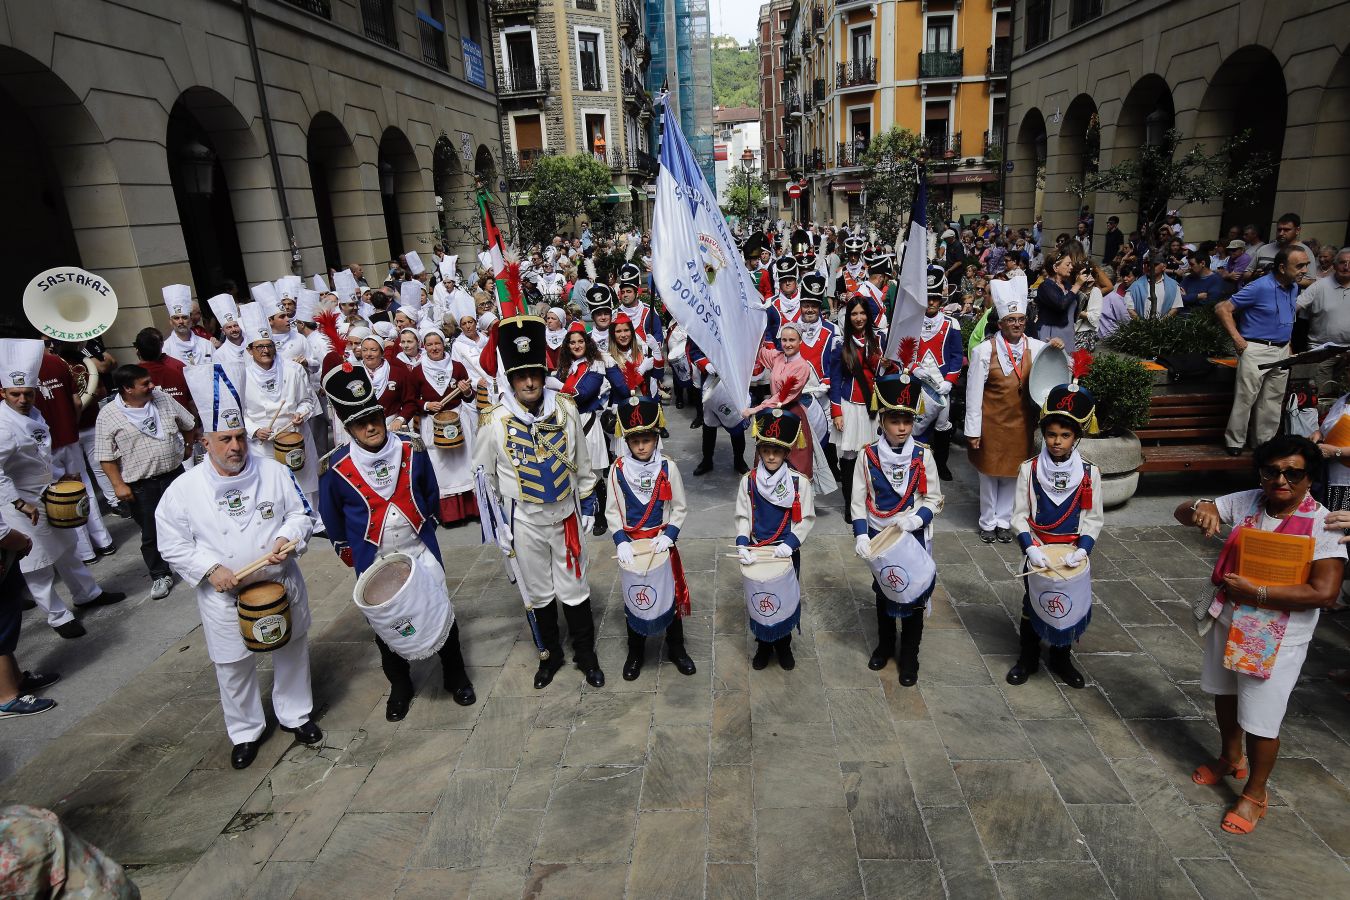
x,y
1185,432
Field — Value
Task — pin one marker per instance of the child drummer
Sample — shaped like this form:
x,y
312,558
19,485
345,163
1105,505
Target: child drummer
x,y
775,510
896,484
1058,501
646,497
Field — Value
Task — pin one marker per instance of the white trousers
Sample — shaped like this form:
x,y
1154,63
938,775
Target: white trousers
x,y
241,697
104,484
996,501
1257,396
541,550
71,458
42,585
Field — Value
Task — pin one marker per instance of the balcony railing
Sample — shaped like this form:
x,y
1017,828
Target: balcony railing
x,y
633,161
792,104
848,154
317,7
943,146
521,81
433,44
998,61
790,59
587,5
630,20
818,21
818,89
377,16
633,91
502,9
815,161
858,73
941,64
993,144
521,162
647,163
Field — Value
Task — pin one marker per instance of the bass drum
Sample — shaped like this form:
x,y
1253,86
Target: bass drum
x,y
407,604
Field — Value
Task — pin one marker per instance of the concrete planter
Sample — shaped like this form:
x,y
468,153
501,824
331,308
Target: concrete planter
x,y
1119,457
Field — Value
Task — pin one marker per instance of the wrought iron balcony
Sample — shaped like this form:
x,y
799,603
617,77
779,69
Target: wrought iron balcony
x,y
317,7
433,44
943,146
942,64
791,60
805,40
634,94
377,18
818,90
998,61
646,163
630,20
858,73
792,105
505,9
818,22
815,161
993,145
520,164
848,154
523,81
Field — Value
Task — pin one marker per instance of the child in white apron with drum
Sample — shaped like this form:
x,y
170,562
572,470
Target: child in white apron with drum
x,y
646,500
896,493
775,510
1057,515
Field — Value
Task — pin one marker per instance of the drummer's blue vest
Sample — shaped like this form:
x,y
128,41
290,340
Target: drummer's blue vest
x,y
770,523
884,495
1052,518
540,460
635,510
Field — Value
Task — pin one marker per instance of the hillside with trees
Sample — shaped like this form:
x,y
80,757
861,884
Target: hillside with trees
x,y
735,73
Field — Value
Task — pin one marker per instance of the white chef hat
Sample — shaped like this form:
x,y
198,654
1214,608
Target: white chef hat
x,y
307,305
319,283
265,296
288,287
20,359
344,283
224,309
177,299
1010,297
447,266
410,294
253,321
385,331
461,305
215,388
414,261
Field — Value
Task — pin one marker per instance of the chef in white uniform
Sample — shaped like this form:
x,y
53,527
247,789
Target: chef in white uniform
x,y
290,344
181,343
277,397
27,468
233,509
232,349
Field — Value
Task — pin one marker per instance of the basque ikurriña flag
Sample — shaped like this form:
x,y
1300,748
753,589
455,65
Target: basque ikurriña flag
x,y
698,269
911,300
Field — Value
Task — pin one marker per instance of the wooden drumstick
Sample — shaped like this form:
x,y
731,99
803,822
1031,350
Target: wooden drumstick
x,y
263,561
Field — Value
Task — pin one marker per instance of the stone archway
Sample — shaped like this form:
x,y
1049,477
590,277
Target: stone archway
x,y
1146,115
1075,154
340,198
456,207
1025,184
401,188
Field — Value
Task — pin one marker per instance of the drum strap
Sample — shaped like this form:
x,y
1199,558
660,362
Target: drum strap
x,y
1081,499
918,481
377,508
661,491
789,516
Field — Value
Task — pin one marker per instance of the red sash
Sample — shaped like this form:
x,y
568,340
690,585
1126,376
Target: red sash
x,y
377,508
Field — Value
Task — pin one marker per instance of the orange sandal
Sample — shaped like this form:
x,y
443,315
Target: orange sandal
x,y
1235,824
1208,773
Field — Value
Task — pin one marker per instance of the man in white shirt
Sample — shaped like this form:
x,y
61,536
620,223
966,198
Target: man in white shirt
x,y
231,348
181,343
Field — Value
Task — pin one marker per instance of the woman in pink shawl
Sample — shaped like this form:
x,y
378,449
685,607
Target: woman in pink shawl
x,y
789,374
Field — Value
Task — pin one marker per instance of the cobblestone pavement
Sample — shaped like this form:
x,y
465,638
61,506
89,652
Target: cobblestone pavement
x,y
828,781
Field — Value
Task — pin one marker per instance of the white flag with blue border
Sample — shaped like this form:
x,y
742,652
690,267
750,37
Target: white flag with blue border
x,y
911,296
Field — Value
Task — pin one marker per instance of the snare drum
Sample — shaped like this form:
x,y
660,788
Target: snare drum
x,y
66,503
289,450
1061,598
902,568
446,431
265,616
772,598
648,589
405,601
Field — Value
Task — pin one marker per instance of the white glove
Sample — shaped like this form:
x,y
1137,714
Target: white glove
x,y
862,545
645,366
1076,558
625,552
552,383
710,369
944,387
586,523
662,543
746,556
782,551
1037,558
911,523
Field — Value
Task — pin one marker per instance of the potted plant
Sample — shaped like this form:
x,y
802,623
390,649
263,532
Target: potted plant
x,y
1122,387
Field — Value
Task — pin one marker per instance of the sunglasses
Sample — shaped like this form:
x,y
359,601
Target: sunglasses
x,y
1274,473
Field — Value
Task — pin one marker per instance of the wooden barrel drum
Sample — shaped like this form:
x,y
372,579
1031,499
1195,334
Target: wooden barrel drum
x,y
446,430
265,616
289,450
67,503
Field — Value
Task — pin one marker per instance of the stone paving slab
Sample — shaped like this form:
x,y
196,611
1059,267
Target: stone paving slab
x,y
827,781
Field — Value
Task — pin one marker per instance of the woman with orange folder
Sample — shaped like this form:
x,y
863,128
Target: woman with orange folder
x,y
1333,439
1258,629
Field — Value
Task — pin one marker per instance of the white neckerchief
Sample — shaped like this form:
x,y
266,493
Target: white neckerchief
x,y
235,496
437,371
187,349
145,418
1059,480
1018,349
269,380
788,306
379,469
895,463
810,332
930,326
641,476
554,337
379,379
773,486
509,400
32,425
410,362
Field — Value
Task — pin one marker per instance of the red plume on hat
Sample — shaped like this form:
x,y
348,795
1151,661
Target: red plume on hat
x,y
514,298
1082,361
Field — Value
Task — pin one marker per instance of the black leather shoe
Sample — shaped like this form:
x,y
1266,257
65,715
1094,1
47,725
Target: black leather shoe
x,y
704,467
632,668
544,677
396,708
1021,671
679,402
32,682
306,733
880,656
785,658
762,657
600,526
464,696
71,629
683,664
741,467
105,551
107,598
909,673
242,756
595,678
1067,673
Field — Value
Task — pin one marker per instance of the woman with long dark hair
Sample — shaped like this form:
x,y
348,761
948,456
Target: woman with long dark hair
x,y
581,375
858,364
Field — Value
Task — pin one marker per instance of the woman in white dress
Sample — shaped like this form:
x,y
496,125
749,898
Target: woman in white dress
x,y
443,384
465,349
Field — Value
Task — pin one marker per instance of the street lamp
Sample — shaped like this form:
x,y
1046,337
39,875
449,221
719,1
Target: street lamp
x,y
748,165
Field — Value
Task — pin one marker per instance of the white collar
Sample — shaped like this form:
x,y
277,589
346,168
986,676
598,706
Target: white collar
x,y
1059,480
773,486
383,462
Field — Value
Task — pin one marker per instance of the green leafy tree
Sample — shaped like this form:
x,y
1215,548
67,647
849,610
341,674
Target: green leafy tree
x,y
1160,178
890,172
739,185
561,189
735,75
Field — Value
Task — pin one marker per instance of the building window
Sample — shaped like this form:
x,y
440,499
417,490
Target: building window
x,y
861,42
1081,11
589,62
521,72
939,32
1039,13
595,127
529,140
587,5
471,21
937,127
378,18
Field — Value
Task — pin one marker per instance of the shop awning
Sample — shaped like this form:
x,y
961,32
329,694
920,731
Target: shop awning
x,y
847,187
962,176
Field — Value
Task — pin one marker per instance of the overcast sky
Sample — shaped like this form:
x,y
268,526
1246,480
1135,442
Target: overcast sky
x,y
735,17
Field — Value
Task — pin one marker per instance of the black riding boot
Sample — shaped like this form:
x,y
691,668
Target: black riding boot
x,y
738,452
832,457
1061,663
783,647
601,485
885,636
942,451
581,625
911,633
675,651
1029,659
454,678
846,467
637,655
709,446
546,617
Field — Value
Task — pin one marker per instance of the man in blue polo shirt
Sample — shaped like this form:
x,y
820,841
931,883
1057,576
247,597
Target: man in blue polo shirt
x,y
1266,308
